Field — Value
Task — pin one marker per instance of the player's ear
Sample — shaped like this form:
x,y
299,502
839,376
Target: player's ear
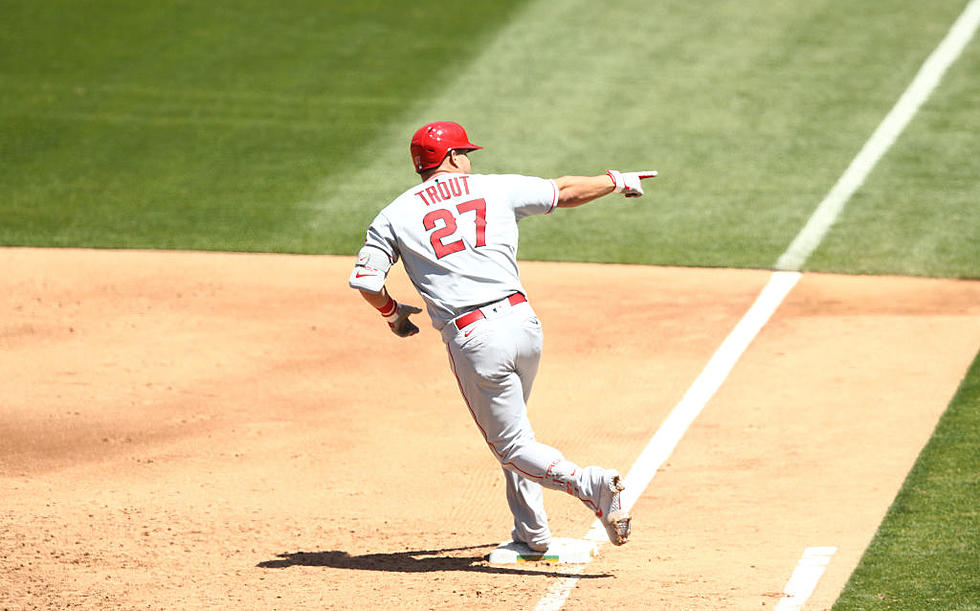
x,y
455,154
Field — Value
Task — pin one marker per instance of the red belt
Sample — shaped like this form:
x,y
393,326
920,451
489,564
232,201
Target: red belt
x,y
475,315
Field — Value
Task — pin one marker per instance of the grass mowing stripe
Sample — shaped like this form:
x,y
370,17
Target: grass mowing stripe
x,y
881,140
212,125
200,125
746,108
476,95
926,554
917,213
534,108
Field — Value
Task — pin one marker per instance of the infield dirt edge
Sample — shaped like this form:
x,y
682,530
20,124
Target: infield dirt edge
x,y
226,423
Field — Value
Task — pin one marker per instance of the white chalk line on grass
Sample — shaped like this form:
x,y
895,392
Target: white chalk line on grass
x,y
660,447
882,139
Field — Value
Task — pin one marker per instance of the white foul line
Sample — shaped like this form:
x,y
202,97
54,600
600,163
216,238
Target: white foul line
x,y
704,387
680,418
883,137
804,579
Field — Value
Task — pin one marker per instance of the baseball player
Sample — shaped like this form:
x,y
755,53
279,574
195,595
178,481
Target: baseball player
x,y
457,235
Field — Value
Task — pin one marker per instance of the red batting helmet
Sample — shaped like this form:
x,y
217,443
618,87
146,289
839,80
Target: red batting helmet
x,y
432,142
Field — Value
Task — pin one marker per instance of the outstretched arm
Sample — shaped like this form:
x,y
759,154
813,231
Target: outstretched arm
x,y
577,190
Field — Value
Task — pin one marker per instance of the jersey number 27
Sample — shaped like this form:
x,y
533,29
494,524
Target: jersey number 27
x,y
448,227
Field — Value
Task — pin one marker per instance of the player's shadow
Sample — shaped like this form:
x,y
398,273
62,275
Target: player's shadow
x,y
417,561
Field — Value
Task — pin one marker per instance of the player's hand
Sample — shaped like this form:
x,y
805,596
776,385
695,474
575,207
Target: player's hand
x,y
628,183
400,324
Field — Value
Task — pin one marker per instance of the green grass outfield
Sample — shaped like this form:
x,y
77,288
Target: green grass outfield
x,y
284,127
924,556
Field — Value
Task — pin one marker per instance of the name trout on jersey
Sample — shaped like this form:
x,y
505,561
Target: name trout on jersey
x,y
373,264
444,189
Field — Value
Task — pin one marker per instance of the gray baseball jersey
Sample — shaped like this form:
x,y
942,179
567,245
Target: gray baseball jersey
x,y
457,237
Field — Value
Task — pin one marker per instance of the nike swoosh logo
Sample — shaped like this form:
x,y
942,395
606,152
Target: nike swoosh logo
x,y
360,275
467,334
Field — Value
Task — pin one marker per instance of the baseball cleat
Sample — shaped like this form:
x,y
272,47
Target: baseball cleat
x,y
613,517
541,545
538,547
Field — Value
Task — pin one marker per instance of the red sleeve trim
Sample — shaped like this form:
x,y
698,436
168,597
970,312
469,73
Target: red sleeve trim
x,y
554,202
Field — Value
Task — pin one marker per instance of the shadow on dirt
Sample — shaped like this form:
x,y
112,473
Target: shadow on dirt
x,y
418,561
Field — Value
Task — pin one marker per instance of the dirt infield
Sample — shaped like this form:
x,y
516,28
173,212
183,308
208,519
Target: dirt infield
x,y
188,430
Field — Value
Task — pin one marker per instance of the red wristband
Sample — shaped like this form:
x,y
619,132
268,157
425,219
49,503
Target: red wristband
x,y
389,308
